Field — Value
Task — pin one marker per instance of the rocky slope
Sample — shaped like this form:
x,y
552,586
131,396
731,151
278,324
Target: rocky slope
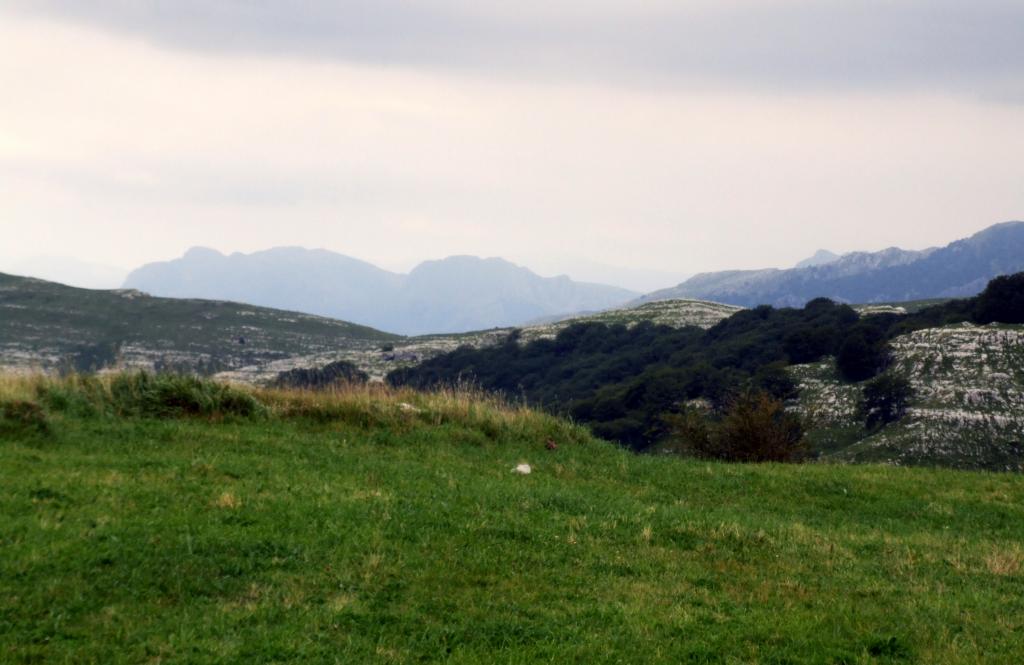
x,y
968,411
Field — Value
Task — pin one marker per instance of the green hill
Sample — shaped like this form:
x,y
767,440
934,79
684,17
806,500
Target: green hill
x,y
388,527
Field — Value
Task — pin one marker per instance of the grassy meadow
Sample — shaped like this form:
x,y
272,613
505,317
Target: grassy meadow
x,y
162,520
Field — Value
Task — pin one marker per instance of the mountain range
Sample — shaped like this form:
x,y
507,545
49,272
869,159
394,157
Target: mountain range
x,y
456,294
959,269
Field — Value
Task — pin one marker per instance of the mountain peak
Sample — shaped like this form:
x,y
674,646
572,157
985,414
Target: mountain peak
x,y
820,258
199,253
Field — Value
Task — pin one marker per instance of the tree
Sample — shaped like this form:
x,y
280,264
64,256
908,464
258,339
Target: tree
x,y
808,343
863,353
885,399
775,380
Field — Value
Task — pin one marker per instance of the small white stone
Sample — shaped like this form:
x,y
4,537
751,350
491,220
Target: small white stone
x,y
523,469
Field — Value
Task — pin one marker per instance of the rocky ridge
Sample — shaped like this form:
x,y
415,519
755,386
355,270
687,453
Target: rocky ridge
x,y
968,410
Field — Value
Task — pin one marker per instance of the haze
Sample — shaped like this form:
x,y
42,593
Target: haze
x,y
562,136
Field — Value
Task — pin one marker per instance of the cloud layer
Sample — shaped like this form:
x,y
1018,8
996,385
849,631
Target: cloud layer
x,y
936,45
726,134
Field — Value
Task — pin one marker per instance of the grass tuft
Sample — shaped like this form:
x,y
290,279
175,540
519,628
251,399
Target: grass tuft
x,y
22,417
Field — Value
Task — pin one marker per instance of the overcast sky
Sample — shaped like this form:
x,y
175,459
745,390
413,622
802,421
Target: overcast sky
x,y
679,136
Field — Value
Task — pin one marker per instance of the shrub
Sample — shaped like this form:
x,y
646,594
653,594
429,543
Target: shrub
x,y
689,433
168,395
321,377
755,428
78,395
884,399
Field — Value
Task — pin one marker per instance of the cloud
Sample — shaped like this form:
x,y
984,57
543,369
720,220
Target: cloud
x,y
974,48
122,150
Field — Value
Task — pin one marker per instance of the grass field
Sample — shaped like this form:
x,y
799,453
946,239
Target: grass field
x,y
183,523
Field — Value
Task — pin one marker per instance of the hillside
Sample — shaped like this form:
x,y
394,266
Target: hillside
x,y
456,294
49,326
389,527
959,269
410,351
968,411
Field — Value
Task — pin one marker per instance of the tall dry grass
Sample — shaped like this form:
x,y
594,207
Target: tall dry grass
x,y
367,405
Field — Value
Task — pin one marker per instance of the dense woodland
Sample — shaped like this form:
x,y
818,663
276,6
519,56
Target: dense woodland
x,y
624,381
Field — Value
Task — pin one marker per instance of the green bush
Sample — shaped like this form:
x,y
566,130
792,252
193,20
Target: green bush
x,y
318,378
755,428
169,395
82,396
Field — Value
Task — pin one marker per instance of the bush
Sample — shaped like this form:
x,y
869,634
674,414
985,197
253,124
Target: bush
x,y
885,400
79,395
22,417
168,395
756,428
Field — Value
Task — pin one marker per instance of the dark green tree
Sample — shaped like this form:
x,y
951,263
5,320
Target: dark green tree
x,y
885,399
863,353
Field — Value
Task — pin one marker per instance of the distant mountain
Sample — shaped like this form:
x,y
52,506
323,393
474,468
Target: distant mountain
x,y
820,258
456,294
961,268
291,278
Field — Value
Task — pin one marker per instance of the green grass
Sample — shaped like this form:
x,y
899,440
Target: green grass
x,y
372,526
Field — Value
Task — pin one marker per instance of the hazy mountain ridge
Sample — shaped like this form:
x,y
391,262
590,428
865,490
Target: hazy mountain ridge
x,y
456,294
961,268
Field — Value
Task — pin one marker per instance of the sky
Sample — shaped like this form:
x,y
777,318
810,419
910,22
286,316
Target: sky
x,y
653,137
